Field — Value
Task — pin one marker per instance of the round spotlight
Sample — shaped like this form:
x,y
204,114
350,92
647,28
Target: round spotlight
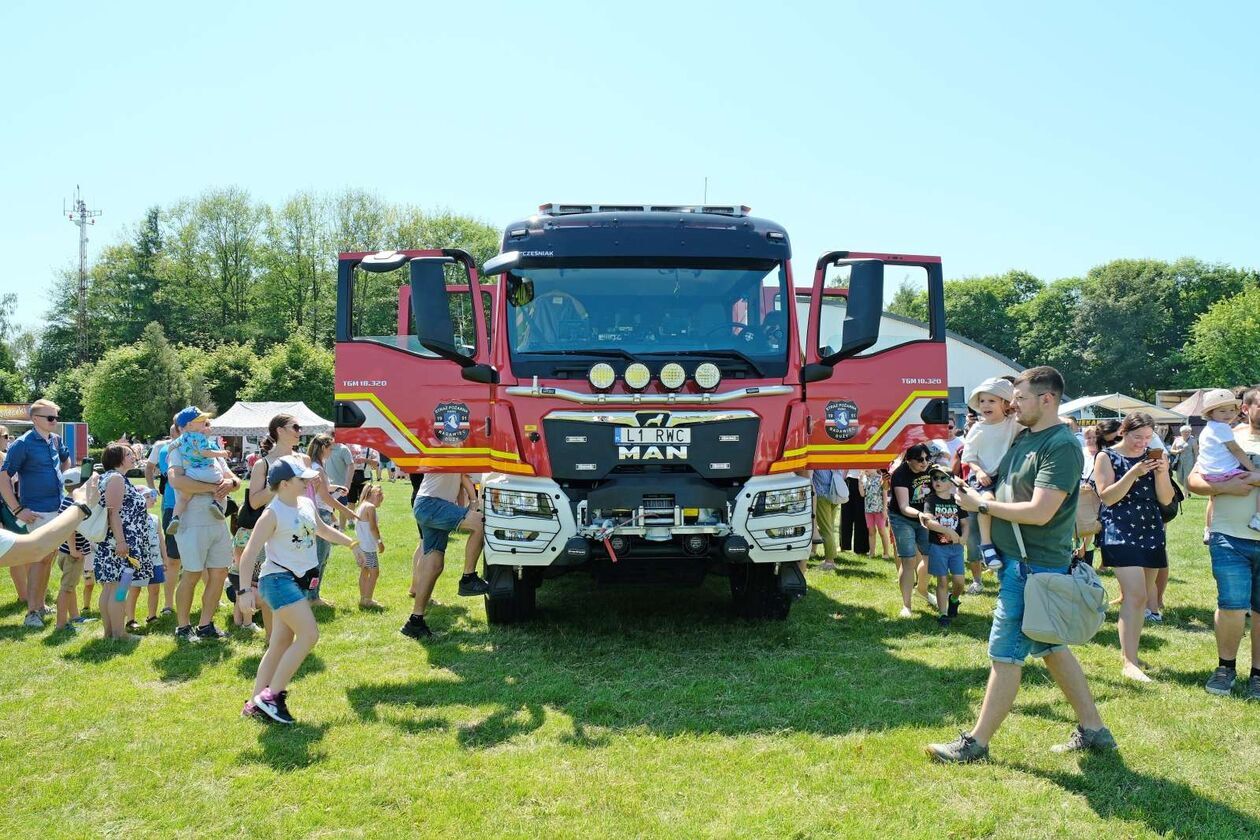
x,y
638,376
602,376
708,376
673,376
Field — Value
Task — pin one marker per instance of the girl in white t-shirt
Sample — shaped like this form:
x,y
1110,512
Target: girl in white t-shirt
x,y
1220,456
371,546
286,531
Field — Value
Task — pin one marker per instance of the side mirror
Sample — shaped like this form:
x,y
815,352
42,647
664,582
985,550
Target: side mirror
x,y
863,309
430,305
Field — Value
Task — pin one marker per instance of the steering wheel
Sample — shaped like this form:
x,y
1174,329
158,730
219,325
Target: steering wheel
x,y
747,332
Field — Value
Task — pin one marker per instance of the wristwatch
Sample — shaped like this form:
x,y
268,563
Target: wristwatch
x,y
87,511
984,507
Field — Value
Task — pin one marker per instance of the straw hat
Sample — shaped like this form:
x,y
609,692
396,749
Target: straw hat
x,y
1219,398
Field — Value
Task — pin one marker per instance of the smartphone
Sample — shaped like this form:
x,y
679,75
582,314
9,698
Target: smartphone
x,y
1154,454
85,470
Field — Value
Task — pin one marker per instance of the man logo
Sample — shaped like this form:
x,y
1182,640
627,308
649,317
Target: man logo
x,y
655,421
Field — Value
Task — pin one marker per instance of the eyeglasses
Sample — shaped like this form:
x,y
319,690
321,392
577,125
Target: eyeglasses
x,y
51,418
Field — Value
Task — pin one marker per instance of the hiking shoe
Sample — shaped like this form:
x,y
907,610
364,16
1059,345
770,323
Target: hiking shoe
x,y
209,631
184,634
173,528
1087,739
471,584
272,704
961,751
1253,688
975,588
416,628
1155,616
1221,683
33,621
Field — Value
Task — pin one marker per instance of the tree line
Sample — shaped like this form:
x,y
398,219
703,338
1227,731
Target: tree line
x,y
222,297
1133,326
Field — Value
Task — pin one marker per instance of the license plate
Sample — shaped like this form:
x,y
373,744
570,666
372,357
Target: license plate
x,y
651,436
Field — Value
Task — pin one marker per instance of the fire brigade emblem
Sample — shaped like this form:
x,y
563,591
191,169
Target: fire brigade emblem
x,y
841,419
450,422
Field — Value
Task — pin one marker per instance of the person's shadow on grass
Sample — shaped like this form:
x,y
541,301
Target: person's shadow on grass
x,y
286,747
1168,808
675,662
187,660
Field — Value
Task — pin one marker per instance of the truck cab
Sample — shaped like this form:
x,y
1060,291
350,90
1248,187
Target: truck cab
x,y
643,388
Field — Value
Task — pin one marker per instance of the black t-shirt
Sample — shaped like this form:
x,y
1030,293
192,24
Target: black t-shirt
x,y
948,513
918,487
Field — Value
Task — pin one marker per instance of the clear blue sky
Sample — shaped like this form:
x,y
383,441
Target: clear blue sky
x,y
1049,138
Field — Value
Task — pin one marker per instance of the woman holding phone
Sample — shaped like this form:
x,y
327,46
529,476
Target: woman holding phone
x,y
1133,481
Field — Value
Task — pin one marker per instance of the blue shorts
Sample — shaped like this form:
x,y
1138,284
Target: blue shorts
x,y
1007,642
437,518
159,572
911,537
1236,567
280,590
945,559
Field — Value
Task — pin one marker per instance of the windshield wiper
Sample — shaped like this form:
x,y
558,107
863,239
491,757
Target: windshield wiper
x,y
717,354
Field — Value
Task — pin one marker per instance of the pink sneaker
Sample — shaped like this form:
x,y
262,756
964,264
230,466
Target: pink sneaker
x,y
249,710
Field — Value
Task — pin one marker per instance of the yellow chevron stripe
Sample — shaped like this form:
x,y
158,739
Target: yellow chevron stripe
x,y
415,441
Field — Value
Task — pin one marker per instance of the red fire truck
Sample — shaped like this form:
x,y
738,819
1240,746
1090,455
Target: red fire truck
x,y
642,387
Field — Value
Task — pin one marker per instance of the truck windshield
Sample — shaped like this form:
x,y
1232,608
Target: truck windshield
x,y
727,312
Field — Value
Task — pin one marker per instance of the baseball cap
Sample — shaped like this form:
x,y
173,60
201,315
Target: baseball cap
x,y
290,466
190,414
1218,397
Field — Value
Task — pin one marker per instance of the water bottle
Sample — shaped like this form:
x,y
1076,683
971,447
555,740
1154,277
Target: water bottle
x,y
124,583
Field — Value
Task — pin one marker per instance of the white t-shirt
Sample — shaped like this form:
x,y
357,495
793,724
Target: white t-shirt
x,y
950,445
292,546
1214,458
1230,514
6,542
363,531
986,443
440,486
155,451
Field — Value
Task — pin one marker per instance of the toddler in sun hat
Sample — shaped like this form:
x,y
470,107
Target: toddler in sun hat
x,y
1220,456
985,445
199,455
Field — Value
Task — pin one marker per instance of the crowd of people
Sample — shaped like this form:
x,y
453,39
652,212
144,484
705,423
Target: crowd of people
x,y
1017,492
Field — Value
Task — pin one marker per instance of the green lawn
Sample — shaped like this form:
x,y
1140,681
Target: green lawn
x,y
621,712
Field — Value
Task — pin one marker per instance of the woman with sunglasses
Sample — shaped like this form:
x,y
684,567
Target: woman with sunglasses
x,y
911,485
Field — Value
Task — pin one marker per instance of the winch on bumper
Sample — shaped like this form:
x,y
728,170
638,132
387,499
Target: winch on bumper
x,y
533,522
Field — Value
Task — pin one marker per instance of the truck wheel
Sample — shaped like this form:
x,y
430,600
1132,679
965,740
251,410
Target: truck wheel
x,y
755,593
511,599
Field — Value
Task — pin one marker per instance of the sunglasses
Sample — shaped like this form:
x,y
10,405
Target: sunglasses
x,y
922,460
51,418
295,427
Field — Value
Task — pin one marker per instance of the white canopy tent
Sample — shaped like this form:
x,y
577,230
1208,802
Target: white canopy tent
x,y
1115,405
250,419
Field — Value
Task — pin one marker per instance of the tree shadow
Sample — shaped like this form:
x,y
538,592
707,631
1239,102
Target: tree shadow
x,y
188,659
1168,808
101,650
674,662
285,748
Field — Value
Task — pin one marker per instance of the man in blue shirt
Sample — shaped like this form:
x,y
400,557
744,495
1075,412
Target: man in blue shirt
x,y
36,460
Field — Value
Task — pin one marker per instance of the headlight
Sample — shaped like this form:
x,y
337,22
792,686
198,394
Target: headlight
x,y
673,376
602,376
518,503
708,376
638,376
775,502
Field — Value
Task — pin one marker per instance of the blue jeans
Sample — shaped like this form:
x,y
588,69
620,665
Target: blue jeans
x,y
1236,567
437,518
1007,642
279,590
911,537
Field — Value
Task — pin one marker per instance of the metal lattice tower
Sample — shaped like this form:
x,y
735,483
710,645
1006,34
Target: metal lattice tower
x,y
80,215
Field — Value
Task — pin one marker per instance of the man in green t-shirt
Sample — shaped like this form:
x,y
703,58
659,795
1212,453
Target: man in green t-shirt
x,y
1043,470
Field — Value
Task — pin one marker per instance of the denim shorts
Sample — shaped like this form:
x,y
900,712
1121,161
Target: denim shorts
x,y
1236,567
945,559
437,518
1007,642
280,590
911,537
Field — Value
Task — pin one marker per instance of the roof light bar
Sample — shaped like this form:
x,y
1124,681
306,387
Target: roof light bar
x,y
557,209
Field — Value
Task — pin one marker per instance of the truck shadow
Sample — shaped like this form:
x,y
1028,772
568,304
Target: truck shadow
x,y
675,662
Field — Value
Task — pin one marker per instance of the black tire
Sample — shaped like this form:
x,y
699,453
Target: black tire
x,y
517,607
755,593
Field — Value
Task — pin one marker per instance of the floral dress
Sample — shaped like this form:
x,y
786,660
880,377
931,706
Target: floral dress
x,y
1133,528
135,523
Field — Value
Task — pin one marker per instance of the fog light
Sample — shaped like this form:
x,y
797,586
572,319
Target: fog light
x,y
781,533
602,376
514,535
708,376
638,376
673,376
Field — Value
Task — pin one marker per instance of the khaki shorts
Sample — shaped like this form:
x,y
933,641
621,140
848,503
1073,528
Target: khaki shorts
x,y
71,571
204,547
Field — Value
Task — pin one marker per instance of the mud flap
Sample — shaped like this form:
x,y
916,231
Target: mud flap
x,y
502,581
791,581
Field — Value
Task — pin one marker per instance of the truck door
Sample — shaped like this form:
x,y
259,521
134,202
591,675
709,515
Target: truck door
x,y
891,394
423,408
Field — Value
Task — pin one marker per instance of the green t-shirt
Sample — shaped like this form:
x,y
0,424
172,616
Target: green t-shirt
x,y
1052,458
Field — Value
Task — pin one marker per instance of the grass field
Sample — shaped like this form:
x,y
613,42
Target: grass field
x,y
621,712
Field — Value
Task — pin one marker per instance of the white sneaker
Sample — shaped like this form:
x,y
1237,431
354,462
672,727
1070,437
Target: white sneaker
x,y
905,613
931,599
975,588
1254,524
33,621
